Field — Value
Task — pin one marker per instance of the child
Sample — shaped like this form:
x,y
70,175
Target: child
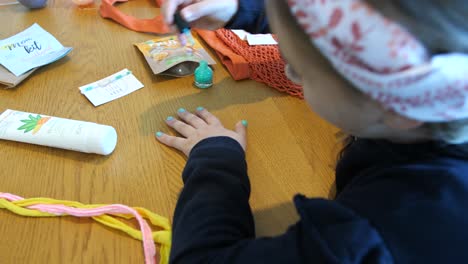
x,y
402,184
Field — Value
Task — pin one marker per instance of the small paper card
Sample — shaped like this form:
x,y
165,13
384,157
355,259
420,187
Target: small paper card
x,y
29,49
261,39
242,34
111,88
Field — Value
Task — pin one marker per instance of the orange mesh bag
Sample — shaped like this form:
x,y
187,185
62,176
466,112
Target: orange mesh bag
x,y
261,63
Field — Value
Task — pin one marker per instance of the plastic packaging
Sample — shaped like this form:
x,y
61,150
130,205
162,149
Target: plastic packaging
x,y
167,56
57,132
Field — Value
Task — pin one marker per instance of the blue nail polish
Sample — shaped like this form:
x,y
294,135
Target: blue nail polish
x,y
200,108
159,134
181,110
170,118
245,123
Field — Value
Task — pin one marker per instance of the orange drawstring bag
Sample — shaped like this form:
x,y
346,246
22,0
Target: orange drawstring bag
x,y
154,25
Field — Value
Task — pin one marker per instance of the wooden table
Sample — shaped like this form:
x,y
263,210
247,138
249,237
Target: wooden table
x,y
290,149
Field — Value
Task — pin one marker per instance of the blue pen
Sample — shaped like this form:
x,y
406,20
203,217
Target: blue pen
x,y
185,36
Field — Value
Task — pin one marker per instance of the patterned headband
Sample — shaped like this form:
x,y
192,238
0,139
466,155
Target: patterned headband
x,y
383,60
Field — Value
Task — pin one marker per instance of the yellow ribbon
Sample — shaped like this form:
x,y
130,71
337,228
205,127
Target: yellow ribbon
x,y
161,237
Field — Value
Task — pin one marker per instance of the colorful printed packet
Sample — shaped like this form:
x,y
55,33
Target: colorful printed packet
x,y
167,56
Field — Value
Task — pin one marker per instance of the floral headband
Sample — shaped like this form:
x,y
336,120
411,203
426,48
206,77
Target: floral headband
x,y
385,61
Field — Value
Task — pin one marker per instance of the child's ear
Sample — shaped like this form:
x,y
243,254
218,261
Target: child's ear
x,y
399,122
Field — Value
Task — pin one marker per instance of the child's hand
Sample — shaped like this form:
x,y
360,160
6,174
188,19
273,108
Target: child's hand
x,y
206,14
196,127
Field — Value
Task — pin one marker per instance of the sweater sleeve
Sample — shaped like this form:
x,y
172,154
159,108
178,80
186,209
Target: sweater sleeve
x,y
213,221
213,210
251,17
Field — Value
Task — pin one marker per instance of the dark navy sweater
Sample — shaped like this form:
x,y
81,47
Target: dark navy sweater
x,y
251,17
395,203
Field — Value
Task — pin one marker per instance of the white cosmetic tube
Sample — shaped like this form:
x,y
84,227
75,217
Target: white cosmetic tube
x,y
57,132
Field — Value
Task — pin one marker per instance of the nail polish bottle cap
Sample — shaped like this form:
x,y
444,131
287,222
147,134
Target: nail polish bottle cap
x,y
203,75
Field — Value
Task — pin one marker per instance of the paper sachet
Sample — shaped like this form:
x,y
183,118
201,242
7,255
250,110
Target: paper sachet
x,y
167,56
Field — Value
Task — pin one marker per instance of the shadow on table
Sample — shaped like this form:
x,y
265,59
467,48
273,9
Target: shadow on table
x,y
275,221
59,153
213,99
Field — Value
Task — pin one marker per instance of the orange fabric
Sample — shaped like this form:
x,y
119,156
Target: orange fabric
x,y
154,25
260,63
236,64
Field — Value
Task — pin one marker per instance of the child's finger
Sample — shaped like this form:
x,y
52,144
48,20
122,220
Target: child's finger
x,y
169,7
207,116
171,141
191,119
179,126
241,130
198,10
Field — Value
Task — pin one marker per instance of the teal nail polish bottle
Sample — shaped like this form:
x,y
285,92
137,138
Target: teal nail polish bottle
x,y
203,75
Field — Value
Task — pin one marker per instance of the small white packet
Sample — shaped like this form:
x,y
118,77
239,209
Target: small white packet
x,y
242,34
261,39
112,87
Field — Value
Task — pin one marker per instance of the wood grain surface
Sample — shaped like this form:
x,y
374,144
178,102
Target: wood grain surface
x,y
290,149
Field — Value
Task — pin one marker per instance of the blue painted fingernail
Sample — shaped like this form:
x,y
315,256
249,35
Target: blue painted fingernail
x,y
159,134
169,118
200,108
181,110
245,123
